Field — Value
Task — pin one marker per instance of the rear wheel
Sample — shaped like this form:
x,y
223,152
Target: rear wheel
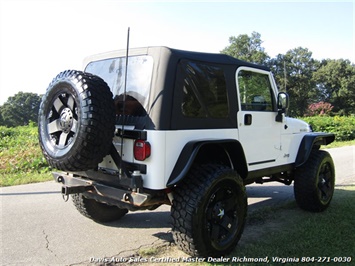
x,y
97,211
209,211
314,182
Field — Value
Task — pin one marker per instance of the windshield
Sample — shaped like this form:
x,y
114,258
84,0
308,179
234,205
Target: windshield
x,y
139,77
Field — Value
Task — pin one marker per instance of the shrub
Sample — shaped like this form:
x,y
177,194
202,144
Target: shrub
x,y
321,108
20,151
342,126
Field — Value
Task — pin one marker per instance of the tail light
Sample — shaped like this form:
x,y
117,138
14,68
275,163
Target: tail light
x,y
141,150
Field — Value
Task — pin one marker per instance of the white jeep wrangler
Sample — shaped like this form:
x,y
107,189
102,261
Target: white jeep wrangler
x,y
182,128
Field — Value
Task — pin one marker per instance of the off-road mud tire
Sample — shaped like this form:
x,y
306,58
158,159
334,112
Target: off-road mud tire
x,y
209,211
97,211
314,182
76,121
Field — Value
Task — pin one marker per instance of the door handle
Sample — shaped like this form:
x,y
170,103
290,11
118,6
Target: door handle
x,y
248,119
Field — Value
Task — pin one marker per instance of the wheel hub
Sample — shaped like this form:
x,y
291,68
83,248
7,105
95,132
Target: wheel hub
x,y
218,211
66,120
221,213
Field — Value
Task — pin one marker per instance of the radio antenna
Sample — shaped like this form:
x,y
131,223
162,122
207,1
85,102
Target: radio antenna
x,y
285,75
124,98
125,76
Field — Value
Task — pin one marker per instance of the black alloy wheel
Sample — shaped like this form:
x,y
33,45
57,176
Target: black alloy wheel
x,y
221,219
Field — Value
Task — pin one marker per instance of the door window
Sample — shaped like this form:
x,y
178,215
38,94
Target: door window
x,y
255,91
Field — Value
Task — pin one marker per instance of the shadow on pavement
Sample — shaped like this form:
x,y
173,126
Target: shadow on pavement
x,y
258,196
29,193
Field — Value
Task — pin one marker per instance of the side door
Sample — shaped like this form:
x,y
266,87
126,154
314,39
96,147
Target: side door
x,y
259,132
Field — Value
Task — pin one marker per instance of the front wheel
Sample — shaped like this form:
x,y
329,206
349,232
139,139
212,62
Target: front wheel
x,y
209,211
315,181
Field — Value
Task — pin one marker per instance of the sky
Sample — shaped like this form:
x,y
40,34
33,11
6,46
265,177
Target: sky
x,y
41,38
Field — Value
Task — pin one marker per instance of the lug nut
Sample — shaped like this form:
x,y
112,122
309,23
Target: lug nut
x,y
126,197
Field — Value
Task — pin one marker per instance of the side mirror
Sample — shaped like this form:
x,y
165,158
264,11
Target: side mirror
x,y
282,105
282,101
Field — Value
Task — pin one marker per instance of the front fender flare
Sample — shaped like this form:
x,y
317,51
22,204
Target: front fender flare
x,y
309,141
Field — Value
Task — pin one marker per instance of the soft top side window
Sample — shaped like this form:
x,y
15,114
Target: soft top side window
x,y
204,90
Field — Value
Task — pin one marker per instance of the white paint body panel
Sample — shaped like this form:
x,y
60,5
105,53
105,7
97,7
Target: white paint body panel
x,y
167,146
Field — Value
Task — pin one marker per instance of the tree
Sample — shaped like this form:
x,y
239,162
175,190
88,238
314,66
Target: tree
x,y
20,109
298,65
247,48
336,83
305,79
2,122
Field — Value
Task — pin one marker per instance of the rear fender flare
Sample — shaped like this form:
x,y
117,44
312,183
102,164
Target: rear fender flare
x,y
232,148
309,142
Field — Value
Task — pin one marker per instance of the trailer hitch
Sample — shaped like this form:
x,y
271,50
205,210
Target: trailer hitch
x,y
66,191
75,189
72,188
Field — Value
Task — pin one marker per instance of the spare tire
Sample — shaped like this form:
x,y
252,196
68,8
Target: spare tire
x,y
76,121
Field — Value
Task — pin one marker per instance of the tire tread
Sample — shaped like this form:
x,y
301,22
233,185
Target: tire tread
x,y
305,184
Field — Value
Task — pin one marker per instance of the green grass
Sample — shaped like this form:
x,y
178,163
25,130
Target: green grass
x,y
21,159
21,178
337,144
304,234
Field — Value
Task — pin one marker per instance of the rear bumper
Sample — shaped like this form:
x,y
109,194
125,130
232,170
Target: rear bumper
x,y
123,198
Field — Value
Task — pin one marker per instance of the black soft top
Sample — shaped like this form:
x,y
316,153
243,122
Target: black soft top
x,y
214,58
166,92
177,54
